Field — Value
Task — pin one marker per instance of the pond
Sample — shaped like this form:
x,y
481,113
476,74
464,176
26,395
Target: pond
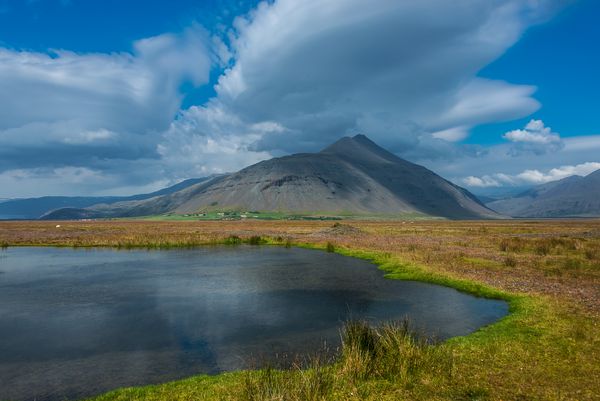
x,y
75,323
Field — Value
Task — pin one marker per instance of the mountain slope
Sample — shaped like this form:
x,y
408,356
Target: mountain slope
x,y
33,208
353,176
573,196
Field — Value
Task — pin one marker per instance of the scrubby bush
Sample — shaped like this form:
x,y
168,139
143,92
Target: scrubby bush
x,y
233,240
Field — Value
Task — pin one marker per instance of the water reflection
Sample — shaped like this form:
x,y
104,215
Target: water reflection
x,y
74,323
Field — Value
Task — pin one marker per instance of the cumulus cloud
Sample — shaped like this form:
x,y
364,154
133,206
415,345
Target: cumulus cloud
x,y
297,76
107,179
535,132
392,69
65,109
205,140
535,138
531,177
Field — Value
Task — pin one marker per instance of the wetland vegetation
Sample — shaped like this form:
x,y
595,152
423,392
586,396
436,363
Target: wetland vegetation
x,y
547,348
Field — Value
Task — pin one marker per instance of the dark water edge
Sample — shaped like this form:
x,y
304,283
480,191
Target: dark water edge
x,y
76,323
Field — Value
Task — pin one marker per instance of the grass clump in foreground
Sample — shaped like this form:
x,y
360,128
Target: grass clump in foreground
x,y
389,352
543,350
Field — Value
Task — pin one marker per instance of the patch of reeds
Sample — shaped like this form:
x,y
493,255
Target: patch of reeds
x,y
313,382
391,352
592,254
512,245
509,261
572,264
233,240
255,240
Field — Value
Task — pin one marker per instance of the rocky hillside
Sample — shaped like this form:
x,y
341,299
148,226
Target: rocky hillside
x,y
353,176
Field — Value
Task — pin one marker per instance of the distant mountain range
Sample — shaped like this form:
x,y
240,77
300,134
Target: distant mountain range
x,y
34,208
573,196
352,176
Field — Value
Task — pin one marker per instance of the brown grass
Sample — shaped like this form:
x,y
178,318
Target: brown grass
x,y
547,349
556,258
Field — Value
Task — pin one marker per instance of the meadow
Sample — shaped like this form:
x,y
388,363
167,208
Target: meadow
x,y
548,347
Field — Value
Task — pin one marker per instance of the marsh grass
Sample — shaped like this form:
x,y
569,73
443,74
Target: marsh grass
x,y
312,382
232,240
592,254
330,247
256,240
391,352
510,261
546,349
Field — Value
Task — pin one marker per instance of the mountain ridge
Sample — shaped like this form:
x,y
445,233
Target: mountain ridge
x,y
353,175
573,196
34,208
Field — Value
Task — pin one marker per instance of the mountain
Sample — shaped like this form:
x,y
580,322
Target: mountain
x,y
352,176
573,196
33,208
490,194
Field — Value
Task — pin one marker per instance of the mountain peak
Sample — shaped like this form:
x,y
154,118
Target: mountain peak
x,y
353,175
359,147
356,140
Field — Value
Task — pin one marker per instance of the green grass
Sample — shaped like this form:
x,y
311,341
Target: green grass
x,y
547,348
258,215
543,350
236,215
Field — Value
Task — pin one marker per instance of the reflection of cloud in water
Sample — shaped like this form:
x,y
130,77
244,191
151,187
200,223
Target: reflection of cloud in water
x,y
101,319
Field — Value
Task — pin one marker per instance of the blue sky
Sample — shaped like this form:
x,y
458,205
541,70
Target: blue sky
x,y
106,25
562,59
117,97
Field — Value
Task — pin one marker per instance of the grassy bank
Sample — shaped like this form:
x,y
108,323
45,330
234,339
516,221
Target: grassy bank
x,y
547,348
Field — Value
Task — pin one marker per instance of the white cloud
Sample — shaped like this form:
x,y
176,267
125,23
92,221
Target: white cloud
x,y
32,182
69,107
480,182
531,177
582,143
392,69
205,140
300,75
537,177
535,132
453,134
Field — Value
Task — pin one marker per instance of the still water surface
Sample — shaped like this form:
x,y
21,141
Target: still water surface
x,y
75,323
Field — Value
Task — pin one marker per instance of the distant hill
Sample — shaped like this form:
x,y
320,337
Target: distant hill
x,y
352,176
573,196
34,208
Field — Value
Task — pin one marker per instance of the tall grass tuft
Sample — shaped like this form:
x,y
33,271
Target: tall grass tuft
x,y
510,261
542,248
255,240
314,382
391,352
330,247
233,240
592,254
